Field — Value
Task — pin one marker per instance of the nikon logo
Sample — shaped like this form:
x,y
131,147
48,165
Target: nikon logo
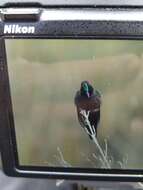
x,y
17,29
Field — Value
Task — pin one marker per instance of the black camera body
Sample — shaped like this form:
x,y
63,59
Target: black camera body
x,y
71,21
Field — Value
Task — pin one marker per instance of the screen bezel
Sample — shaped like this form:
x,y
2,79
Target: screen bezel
x,y
42,171
64,30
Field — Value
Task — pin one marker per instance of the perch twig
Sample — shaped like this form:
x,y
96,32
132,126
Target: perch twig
x,y
93,135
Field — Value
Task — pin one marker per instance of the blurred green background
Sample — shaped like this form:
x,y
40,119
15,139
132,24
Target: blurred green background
x,y
44,77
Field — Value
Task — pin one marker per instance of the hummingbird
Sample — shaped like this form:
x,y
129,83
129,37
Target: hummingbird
x,y
88,101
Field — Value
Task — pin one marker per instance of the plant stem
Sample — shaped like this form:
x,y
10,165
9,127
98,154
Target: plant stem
x,y
101,151
92,133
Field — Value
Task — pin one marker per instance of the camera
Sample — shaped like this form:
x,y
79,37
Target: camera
x,y
71,90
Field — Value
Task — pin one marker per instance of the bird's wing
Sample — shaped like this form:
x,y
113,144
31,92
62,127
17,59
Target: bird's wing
x,y
76,97
98,93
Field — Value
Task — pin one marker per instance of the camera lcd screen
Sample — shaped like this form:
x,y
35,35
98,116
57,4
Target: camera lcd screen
x,y
77,103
